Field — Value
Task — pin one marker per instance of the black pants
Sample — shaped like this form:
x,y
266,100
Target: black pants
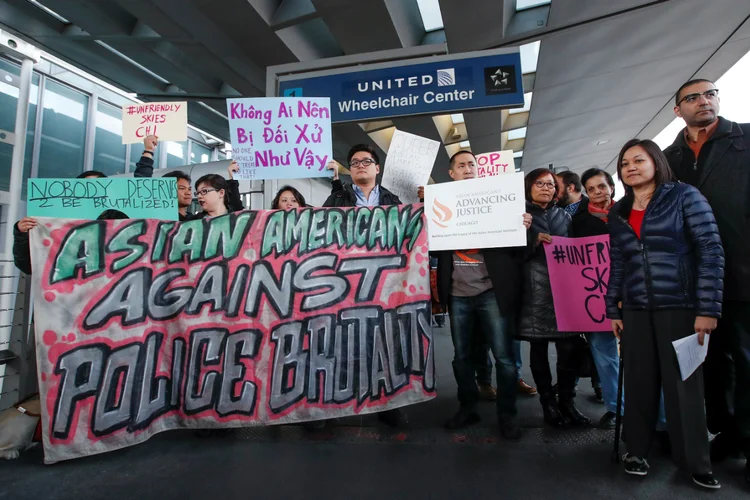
x,y
650,364
569,358
726,376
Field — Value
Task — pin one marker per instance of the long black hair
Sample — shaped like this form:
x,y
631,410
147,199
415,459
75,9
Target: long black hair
x,y
297,196
218,183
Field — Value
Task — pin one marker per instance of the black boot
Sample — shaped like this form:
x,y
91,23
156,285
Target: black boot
x,y
570,412
551,412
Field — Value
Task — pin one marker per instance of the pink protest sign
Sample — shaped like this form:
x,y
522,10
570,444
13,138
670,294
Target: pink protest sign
x,y
579,273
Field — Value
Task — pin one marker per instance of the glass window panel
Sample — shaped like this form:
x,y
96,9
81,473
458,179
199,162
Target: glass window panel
x,y
109,151
63,131
10,76
176,154
136,151
199,153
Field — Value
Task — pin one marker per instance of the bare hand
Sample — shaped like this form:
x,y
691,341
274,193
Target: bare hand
x,y
233,168
150,143
527,218
617,327
332,165
27,223
704,326
543,238
420,192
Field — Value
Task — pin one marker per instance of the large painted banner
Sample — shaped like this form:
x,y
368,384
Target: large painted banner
x,y
253,318
579,273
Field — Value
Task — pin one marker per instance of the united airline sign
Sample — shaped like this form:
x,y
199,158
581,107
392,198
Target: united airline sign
x,y
434,85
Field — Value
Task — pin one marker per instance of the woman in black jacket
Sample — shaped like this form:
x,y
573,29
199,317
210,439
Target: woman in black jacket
x,y
667,270
538,321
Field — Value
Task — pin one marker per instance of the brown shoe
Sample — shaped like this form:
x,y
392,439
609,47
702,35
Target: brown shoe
x,y
524,388
487,392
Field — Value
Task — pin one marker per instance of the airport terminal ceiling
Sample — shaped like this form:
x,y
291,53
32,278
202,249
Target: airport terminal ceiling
x,y
596,73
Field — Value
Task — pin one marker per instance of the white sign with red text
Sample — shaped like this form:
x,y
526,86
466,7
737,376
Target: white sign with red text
x,y
166,120
495,163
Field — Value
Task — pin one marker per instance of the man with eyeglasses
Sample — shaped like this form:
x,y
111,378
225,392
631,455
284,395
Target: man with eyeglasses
x,y
364,191
713,154
482,289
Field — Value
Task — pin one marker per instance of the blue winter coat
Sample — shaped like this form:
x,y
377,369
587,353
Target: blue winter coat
x,y
678,263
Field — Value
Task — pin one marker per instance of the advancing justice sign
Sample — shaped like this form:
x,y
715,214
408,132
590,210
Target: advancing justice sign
x,y
487,79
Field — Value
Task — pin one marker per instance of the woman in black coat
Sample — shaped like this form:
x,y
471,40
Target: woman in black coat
x,y
538,321
667,270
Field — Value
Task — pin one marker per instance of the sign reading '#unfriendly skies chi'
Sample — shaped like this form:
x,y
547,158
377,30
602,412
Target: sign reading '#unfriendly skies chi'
x,y
476,213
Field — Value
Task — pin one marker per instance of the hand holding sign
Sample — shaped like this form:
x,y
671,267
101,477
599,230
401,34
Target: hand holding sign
x,y
150,143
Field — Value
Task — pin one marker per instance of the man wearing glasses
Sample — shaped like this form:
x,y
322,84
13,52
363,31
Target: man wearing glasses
x,y
364,191
713,154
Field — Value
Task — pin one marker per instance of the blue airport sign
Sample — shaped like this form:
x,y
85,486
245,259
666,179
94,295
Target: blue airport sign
x,y
445,84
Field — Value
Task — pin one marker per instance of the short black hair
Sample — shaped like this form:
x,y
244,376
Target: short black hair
x,y
462,152
297,196
90,173
178,174
686,85
112,214
362,148
569,178
593,172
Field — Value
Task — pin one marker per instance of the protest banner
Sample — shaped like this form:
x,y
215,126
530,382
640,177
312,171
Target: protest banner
x,y
476,213
251,318
495,163
138,198
281,138
408,164
167,120
579,273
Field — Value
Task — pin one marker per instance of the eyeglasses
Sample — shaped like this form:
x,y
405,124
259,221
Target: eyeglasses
x,y
708,94
365,163
204,192
542,185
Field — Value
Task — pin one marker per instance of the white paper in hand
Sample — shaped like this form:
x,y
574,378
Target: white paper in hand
x,y
690,354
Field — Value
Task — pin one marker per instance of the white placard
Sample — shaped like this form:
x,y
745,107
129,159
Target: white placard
x,y
690,354
476,213
166,120
281,137
495,163
409,164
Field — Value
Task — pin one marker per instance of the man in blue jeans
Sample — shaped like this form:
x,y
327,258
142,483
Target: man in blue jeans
x,y
466,281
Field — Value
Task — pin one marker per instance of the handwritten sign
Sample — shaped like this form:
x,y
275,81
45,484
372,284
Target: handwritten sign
x,y
690,354
579,273
281,138
496,163
145,198
476,213
409,164
167,120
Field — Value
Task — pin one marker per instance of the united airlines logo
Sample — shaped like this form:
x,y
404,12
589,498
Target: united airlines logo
x,y
446,77
500,80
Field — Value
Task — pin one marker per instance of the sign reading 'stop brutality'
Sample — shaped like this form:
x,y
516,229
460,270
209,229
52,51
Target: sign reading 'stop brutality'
x,y
431,85
253,318
476,213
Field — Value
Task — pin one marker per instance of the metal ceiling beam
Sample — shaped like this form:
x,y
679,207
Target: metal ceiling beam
x,y
359,26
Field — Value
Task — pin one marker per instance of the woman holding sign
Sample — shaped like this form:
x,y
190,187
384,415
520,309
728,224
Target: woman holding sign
x,y
538,321
667,269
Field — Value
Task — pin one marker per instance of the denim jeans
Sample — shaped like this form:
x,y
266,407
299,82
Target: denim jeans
x,y
482,359
468,316
519,359
603,347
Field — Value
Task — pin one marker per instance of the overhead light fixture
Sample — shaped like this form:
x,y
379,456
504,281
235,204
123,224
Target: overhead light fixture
x,y
602,142
455,134
457,118
464,144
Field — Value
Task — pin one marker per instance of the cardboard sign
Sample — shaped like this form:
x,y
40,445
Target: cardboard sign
x,y
579,274
281,138
167,120
138,198
408,165
252,318
476,213
496,163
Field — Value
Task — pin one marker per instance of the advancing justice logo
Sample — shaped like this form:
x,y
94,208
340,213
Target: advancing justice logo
x,y
442,215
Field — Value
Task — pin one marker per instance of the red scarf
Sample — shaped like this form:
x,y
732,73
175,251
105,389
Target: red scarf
x,y
599,212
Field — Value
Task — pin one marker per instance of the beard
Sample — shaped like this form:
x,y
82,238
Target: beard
x,y
564,200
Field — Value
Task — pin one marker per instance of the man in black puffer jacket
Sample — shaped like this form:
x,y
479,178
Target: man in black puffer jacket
x,y
364,191
713,154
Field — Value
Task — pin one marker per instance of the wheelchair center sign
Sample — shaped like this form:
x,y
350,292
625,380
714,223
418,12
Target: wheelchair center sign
x,y
442,84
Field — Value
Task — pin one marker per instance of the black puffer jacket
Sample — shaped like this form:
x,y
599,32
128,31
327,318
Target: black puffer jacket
x,y
342,195
538,321
678,263
21,250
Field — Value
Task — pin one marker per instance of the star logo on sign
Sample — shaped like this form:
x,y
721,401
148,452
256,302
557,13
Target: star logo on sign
x,y
500,77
